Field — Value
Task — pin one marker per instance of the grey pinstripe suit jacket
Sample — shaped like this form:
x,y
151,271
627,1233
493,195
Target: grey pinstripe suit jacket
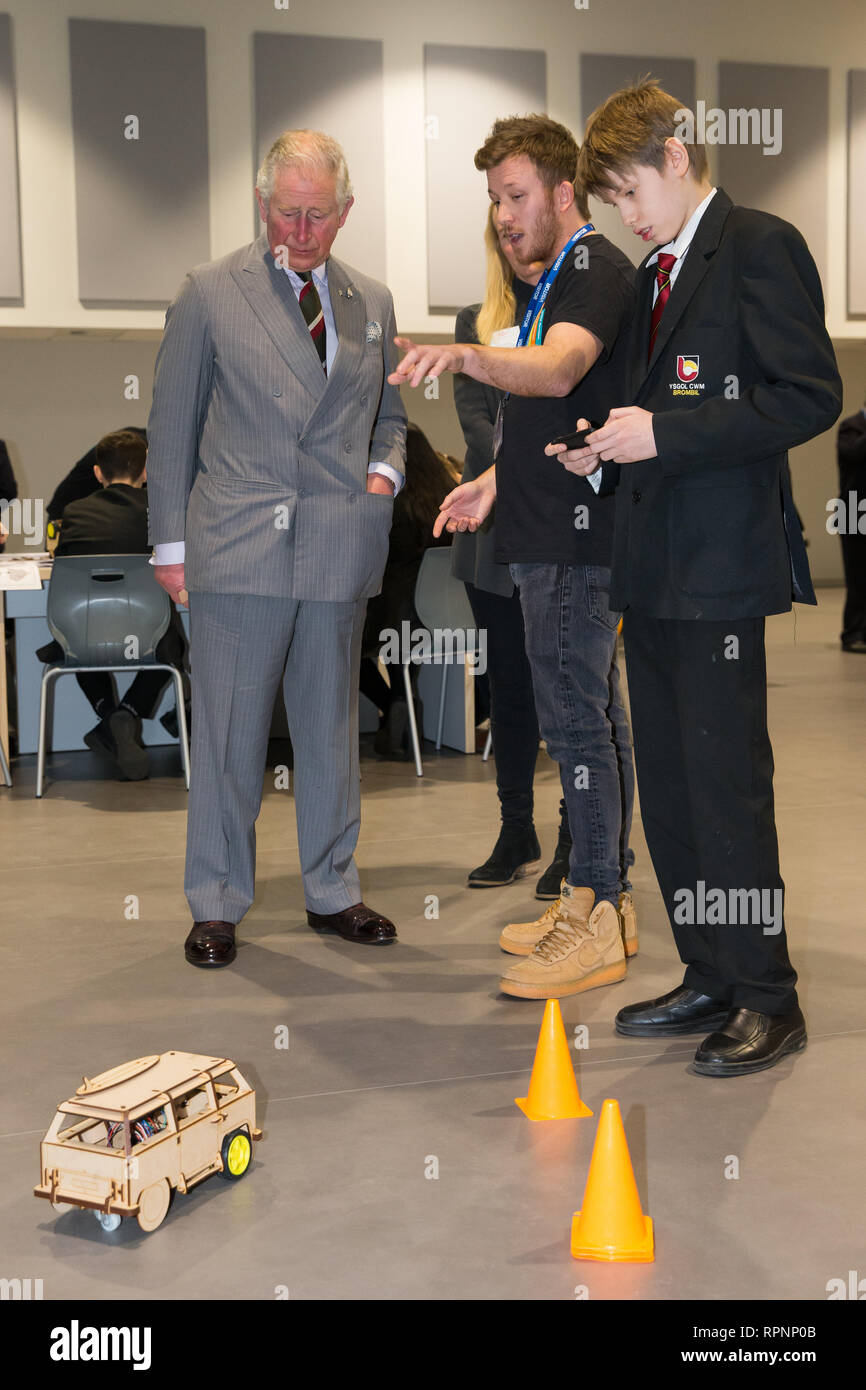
x,y
257,460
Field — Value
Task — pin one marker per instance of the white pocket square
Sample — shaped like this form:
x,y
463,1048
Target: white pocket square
x,y
373,332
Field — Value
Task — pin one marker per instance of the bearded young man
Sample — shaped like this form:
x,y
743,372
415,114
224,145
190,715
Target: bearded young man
x,y
556,535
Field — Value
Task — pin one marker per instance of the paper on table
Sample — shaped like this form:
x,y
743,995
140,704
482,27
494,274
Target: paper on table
x,y
19,574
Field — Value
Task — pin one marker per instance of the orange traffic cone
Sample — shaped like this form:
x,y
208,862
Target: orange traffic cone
x,y
553,1093
611,1225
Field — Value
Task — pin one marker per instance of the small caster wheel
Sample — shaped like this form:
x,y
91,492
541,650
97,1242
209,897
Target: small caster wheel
x,y
109,1221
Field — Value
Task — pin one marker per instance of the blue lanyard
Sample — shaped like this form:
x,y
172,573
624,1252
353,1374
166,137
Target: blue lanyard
x,y
542,289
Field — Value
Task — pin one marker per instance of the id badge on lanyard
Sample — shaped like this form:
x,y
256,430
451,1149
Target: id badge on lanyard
x,y
534,309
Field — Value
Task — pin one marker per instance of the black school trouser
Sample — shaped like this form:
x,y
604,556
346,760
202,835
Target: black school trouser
x,y
698,694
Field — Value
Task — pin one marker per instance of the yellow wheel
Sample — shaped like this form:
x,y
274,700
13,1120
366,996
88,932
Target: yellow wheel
x,y
237,1151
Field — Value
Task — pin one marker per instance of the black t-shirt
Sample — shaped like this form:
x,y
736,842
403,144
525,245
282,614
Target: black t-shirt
x,y
544,514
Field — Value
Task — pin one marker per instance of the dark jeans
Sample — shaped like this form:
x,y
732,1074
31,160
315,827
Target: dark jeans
x,y
513,721
705,773
571,646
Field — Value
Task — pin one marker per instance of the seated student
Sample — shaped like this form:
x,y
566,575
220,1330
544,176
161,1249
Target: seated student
x,y
80,481
429,475
113,521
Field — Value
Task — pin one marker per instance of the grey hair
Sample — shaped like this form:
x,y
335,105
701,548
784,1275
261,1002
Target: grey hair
x,y
305,149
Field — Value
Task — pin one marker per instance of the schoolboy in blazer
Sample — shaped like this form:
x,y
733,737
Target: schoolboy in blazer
x,y
730,366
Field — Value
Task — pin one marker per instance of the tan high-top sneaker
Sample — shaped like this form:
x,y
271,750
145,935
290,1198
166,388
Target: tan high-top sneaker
x,y
583,949
521,938
628,923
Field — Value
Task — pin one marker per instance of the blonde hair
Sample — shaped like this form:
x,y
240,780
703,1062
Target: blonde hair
x,y
305,149
499,306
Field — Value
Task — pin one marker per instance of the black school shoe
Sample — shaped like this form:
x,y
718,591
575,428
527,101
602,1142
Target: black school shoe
x,y
515,853
394,736
680,1011
750,1041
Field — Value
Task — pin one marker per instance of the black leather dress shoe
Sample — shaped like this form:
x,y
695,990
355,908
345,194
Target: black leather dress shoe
x,y
748,1041
516,852
680,1011
210,944
358,923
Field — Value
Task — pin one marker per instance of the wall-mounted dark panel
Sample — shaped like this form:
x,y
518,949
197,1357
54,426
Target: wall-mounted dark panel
x,y
142,203
306,82
857,193
10,233
465,90
602,74
793,116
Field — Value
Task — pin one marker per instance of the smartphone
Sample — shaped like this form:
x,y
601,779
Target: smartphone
x,y
576,440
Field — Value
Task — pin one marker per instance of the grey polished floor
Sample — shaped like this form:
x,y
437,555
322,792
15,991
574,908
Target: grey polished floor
x,y
403,1054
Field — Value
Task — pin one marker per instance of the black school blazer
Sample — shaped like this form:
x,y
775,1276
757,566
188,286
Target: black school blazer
x,y
742,370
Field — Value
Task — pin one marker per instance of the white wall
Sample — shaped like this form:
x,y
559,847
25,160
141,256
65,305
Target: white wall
x,y
58,397
831,34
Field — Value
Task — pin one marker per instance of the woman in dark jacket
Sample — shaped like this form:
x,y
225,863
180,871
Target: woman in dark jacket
x,y
429,476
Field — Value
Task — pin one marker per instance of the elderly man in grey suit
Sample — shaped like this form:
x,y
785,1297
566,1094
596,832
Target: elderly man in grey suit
x,y
275,447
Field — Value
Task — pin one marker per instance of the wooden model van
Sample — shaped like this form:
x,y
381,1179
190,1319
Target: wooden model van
x,y
128,1137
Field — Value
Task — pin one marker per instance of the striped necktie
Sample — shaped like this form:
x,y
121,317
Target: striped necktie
x,y
663,280
311,308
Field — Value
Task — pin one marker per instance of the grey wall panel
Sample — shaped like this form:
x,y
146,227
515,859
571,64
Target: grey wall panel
x,y
602,74
142,205
793,183
10,234
857,193
335,85
465,90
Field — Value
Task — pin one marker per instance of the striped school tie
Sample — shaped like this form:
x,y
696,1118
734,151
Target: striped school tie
x,y
663,280
311,308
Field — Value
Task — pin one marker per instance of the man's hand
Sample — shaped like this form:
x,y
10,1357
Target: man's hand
x,y
626,436
172,580
426,359
465,508
579,461
377,482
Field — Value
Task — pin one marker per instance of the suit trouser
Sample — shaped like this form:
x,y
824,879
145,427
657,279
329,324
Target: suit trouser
x,y
241,646
705,778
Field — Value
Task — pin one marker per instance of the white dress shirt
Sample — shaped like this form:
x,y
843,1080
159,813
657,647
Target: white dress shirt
x,y
680,245
172,552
